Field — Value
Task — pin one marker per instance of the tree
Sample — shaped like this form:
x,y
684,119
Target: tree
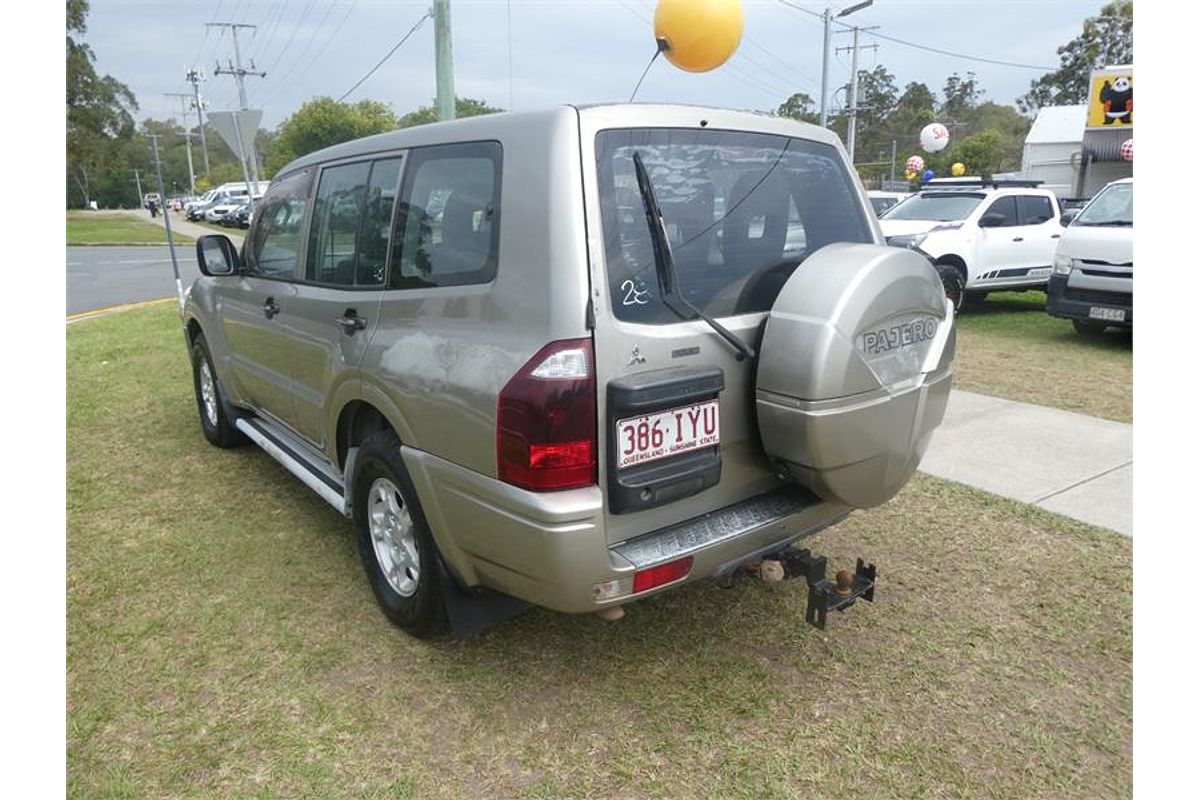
x,y
463,107
960,95
99,110
799,107
323,122
1106,40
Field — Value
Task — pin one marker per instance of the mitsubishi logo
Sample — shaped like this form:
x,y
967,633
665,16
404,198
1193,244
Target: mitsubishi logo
x,y
635,357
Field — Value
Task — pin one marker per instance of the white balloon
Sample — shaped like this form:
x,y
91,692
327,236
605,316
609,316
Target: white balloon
x,y
934,137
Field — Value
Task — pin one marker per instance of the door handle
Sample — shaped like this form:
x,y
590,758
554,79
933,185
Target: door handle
x,y
350,322
1055,235
1019,239
269,308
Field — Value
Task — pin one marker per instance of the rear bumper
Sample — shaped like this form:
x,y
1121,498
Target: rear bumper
x,y
1070,303
550,548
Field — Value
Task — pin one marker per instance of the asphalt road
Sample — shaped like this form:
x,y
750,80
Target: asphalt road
x,y
100,277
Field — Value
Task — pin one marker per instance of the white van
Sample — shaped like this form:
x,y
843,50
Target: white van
x,y
1092,283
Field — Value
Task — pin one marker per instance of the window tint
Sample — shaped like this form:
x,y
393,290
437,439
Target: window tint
x,y
376,231
741,210
337,211
1034,209
1005,207
274,241
449,220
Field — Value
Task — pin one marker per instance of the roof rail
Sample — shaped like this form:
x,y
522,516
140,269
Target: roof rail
x,y
995,183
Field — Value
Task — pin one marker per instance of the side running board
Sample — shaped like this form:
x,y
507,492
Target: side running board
x,y
298,459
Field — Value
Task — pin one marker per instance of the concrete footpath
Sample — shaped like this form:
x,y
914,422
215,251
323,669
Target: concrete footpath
x,y
1071,464
179,224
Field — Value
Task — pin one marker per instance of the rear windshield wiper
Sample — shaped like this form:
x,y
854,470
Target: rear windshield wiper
x,y
664,264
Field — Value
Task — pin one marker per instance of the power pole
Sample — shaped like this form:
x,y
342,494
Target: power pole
x,y
852,100
183,99
138,179
827,17
239,73
194,77
162,193
444,58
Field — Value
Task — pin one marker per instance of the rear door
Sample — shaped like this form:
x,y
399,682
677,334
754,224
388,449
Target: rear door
x,y
676,407
334,312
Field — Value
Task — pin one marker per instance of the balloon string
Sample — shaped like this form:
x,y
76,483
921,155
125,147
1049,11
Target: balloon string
x,y
663,46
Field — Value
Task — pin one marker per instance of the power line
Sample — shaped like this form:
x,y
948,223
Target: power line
x,y
924,47
411,31
316,59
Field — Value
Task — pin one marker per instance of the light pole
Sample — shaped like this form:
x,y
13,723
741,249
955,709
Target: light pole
x,y
827,17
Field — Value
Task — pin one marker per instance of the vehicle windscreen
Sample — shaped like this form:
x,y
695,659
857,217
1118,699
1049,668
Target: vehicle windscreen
x,y
741,210
939,206
1113,206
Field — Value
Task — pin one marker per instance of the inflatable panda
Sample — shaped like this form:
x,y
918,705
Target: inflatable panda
x,y
1117,99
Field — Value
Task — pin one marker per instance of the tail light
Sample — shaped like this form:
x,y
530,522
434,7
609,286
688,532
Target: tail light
x,y
546,420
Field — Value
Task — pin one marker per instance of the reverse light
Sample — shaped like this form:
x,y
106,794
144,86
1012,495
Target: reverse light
x,y
546,420
661,574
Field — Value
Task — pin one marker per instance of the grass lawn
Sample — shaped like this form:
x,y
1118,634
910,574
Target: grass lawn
x,y
222,642
1009,346
114,227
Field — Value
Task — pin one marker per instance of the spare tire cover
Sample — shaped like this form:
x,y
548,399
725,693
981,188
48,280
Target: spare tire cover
x,y
854,371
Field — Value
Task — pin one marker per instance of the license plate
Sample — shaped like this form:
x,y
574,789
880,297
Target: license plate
x,y
1110,314
667,433
1040,272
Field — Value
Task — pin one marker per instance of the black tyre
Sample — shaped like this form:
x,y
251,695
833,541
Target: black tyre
x,y
394,540
1087,327
953,283
217,426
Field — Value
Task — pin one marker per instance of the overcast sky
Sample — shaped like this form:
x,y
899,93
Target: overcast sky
x,y
561,50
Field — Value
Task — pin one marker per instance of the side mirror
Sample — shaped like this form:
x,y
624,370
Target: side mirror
x,y
991,221
216,255
1067,216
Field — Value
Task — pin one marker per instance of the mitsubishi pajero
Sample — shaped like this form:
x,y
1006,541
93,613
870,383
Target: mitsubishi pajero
x,y
575,357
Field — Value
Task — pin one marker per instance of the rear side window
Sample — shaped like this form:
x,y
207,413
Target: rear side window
x,y
1006,207
742,211
274,242
1034,209
337,212
448,226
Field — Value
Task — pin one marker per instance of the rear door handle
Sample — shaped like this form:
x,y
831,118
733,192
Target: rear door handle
x,y
1055,235
1019,239
350,322
269,308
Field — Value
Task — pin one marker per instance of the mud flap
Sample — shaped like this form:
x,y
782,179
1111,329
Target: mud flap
x,y
472,611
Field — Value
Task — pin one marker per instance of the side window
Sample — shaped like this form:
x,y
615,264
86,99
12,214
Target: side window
x,y
1034,209
376,232
273,243
1007,208
337,212
448,228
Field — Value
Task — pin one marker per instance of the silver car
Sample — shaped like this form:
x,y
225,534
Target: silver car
x,y
575,357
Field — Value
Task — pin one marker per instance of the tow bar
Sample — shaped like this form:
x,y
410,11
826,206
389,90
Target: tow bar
x,y
824,595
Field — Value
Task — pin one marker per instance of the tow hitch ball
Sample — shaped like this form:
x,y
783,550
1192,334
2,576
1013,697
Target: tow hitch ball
x,y
824,595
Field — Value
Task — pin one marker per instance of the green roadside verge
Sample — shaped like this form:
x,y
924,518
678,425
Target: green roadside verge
x,y
115,228
222,641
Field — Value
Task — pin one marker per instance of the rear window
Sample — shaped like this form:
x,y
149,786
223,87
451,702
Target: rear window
x,y
935,206
742,211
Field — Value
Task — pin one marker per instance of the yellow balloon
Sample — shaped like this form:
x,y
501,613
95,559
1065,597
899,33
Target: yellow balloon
x,y
958,169
700,34
908,176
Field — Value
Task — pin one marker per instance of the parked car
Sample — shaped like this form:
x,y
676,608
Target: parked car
x,y
230,218
881,201
1092,283
217,211
191,208
981,235
527,395
151,198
